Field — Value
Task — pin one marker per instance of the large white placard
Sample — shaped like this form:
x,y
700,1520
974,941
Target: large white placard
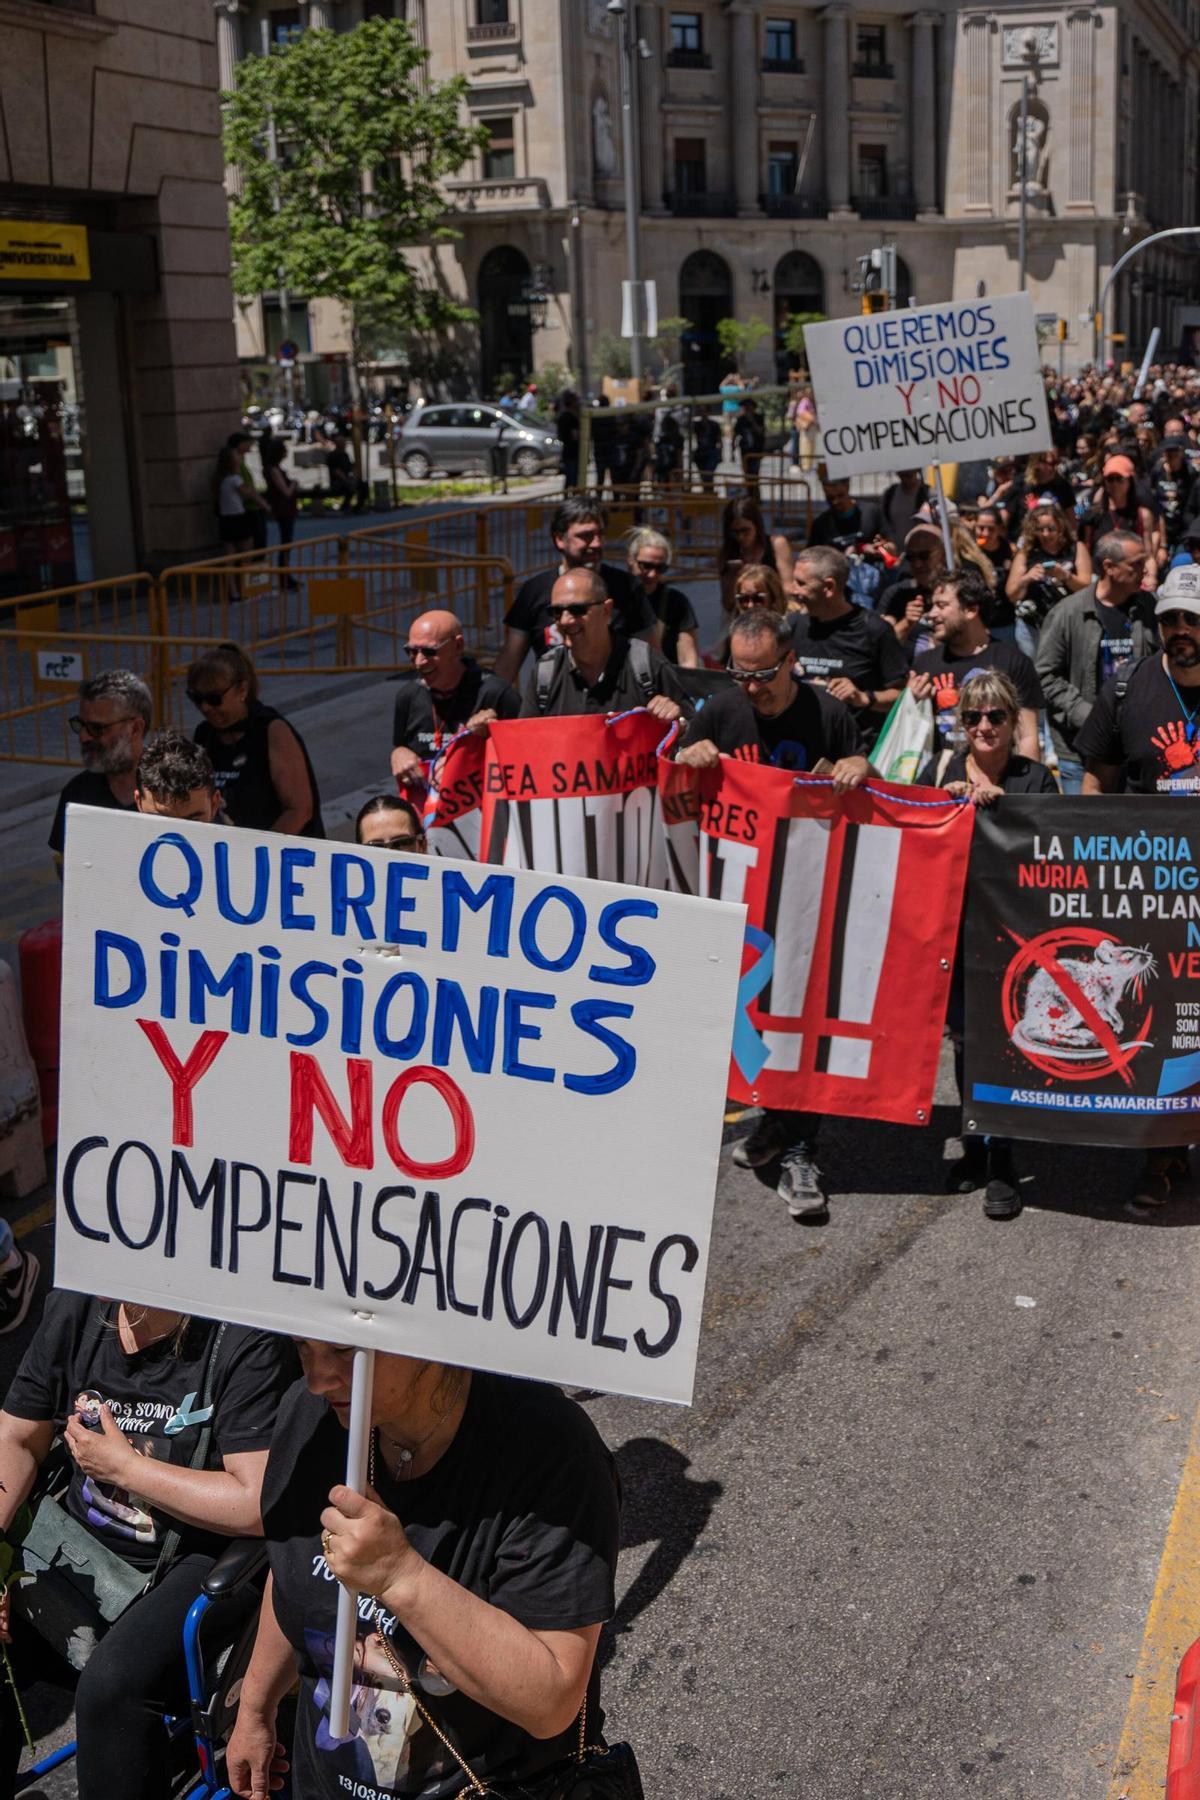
x,y
948,383
424,1106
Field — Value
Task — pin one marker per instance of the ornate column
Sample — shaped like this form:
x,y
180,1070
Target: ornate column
x,y
924,113
1081,77
978,108
229,41
743,87
837,106
320,13
650,75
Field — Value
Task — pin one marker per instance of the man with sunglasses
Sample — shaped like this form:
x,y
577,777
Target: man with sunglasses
x,y
1143,736
595,669
577,529
387,822
449,693
769,716
113,718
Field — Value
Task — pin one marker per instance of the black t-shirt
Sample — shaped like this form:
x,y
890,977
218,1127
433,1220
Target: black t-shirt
x,y
530,611
522,1510
893,604
863,521
423,721
618,689
1174,498
155,1397
1116,641
243,771
677,614
1021,776
813,727
858,645
949,671
1147,733
85,789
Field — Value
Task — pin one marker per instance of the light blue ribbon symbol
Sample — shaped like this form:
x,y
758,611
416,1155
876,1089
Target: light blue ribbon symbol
x,y
749,1052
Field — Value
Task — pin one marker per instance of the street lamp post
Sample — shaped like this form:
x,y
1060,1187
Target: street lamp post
x,y
1155,237
629,151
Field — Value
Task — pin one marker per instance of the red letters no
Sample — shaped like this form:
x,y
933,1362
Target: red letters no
x,y
460,1115
312,1093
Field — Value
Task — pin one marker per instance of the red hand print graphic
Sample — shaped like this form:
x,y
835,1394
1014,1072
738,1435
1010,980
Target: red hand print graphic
x,y
945,692
1171,741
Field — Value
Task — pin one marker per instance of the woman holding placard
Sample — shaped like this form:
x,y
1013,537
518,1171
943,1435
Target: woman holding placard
x,y
165,1422
484,1552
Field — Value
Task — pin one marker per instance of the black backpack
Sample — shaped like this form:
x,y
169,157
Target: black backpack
x,y
639,657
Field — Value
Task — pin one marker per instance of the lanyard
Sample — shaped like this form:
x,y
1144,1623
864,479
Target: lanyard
x,y
1190,726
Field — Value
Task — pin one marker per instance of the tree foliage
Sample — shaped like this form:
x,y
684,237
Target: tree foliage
x,y
364,140
738,337
793,331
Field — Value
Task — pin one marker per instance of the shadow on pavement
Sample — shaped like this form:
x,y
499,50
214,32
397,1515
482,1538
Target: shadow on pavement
x,y
660,1505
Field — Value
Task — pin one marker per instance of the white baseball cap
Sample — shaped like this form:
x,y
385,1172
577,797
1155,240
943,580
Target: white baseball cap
x,y
1180,592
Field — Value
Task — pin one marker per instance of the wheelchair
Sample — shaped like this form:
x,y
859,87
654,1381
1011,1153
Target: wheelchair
x,y
214,1678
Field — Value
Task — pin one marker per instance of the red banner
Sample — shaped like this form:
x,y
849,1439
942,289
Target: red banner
x,y
847,965
451,809
576,797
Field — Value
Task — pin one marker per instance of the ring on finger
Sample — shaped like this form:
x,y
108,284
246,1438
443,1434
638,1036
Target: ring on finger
x,y
326,1544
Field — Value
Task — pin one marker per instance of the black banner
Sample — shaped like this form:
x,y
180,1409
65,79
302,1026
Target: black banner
x,y
1083,971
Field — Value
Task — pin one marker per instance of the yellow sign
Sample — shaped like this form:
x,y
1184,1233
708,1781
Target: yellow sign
x,y
345,596
35,250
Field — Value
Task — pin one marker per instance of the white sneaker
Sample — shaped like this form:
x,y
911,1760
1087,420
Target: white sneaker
x,y
799,1185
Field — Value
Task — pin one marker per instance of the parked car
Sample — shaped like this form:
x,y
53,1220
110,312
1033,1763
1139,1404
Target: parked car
x,y
464,435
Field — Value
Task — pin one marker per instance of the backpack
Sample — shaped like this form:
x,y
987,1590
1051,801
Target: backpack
x,y
639,657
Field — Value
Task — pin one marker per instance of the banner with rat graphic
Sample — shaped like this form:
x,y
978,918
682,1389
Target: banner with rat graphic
x,y
1082,964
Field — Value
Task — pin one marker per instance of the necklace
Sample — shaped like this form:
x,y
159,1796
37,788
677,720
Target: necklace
x,y
405,1457
1189,715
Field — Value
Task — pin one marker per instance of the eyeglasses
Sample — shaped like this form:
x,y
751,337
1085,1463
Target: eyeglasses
x,y
755,599
1181,618
576,608
415,651
648,568
87,728
744,676
995,715
406,841
1109,478
207,696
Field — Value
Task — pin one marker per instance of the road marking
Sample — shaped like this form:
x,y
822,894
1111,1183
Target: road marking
x,y
1173,1622
41,1215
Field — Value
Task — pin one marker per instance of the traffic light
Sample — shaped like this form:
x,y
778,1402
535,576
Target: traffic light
x,y
876,301
877,279
1062,331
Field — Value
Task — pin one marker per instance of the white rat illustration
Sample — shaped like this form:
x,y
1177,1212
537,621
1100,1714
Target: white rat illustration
x,y
1049,1021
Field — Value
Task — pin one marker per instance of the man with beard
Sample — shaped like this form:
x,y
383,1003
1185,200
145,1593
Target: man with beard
x,y
1142,734
111,725
448,694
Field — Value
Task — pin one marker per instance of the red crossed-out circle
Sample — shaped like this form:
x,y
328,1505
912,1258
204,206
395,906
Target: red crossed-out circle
x,y
1043,952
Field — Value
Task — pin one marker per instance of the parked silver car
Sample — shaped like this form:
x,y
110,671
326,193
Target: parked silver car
x,y
462,435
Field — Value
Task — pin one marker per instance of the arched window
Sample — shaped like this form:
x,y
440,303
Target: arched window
x,y
505,329
705,295
799,288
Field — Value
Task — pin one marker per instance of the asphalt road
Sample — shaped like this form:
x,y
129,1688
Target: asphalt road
x,y
904,1542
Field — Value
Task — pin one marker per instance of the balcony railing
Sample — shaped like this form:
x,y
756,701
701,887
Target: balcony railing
x,y
883,206
499,31
688,59
701,206
793,206
874,71
783,65
501,192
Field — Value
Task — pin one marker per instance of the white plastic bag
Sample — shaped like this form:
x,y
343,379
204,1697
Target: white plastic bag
x,y
906,741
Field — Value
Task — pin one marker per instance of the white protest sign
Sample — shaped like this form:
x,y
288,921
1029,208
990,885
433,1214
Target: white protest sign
x,y
406,1103
951,383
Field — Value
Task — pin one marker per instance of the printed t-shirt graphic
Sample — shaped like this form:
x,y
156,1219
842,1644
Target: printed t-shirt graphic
x,y
814,726
949,672
1147,731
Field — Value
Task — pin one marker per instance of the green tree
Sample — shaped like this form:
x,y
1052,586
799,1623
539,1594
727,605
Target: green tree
x,y
363,144
738,337
793,332
666,348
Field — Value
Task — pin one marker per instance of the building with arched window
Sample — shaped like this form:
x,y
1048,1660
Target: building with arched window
x,y
781,140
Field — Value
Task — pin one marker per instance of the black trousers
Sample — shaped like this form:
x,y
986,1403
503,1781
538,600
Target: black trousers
x,y
134,1675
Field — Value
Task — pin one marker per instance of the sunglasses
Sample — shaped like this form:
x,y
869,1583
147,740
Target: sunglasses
x,y
756,599
406,841
1109,478
973,716
1181,618
85,727
415,652
575,608
206,696
744,676
648,568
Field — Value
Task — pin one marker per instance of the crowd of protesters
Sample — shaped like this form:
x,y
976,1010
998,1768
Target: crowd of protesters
x,y
1052,628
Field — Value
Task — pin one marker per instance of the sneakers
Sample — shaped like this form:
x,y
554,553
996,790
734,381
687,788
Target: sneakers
x,y
799,1185
1162,1171
771,1137
17,1288
1002,1197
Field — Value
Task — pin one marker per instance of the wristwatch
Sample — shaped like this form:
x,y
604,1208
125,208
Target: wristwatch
x,y
870,693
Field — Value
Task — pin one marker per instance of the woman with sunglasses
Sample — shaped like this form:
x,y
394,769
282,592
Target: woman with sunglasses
x,y
485,1552
746,541
756,589
982,770
649,555
1119,508
263,771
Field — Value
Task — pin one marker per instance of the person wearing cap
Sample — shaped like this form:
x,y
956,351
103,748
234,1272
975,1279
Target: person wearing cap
x,y
1143,736
1119,508
1174,489
1087,638
905,604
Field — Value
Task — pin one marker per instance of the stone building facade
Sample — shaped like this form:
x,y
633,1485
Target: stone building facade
x,y
778,141
110,124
